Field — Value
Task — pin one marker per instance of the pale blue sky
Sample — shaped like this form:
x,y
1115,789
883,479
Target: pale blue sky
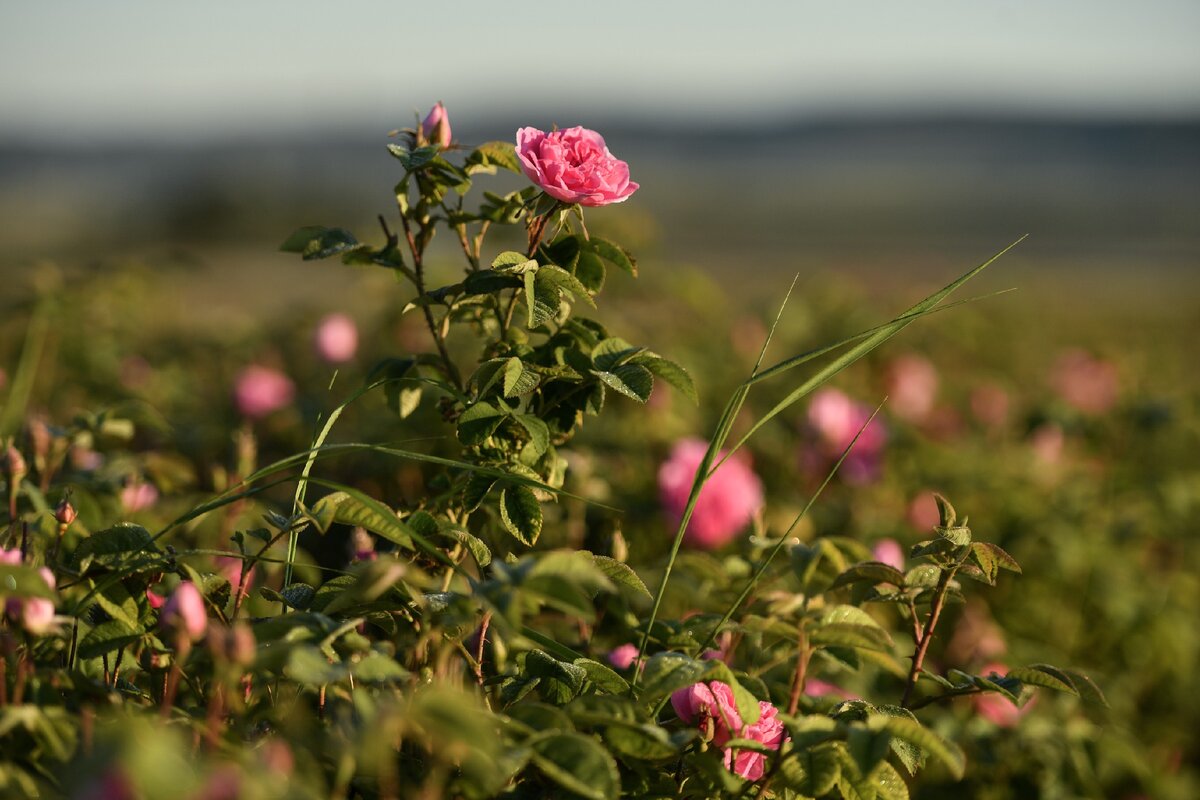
x,y
165,69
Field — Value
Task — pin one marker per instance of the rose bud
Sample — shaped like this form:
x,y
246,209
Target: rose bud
x,y
65,513
185,611
435,129
16,464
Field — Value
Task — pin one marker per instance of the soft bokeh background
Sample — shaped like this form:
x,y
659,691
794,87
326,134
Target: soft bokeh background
x,y
153,156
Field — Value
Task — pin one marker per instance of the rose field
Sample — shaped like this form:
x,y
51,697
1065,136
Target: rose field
x,y
534,470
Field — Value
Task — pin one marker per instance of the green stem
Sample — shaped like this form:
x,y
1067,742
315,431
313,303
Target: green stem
x,y
935,612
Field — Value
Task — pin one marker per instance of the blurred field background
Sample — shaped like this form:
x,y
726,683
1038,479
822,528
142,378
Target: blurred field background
x,y
874,160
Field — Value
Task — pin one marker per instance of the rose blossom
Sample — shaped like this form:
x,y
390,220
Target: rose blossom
x,y
728,501
834,420
912,383
138,495
923,511
185,611
261,390
1087,383
435,128
337,338
622,657
703,703
35,614
574,165
990,405
889,551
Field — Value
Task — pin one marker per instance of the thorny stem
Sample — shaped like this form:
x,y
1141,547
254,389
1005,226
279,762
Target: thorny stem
x,y
419,279
935,612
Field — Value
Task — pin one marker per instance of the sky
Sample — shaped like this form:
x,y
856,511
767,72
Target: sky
x,y
149,69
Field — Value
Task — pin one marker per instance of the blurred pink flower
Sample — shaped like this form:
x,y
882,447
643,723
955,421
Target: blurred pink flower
x,y
834,419
622,657
1085,382
185,611
814,687
337,338
35,614
138,495
261,390
155,600
889,551
996,708
990,405
230,567
435,128
727,503
85,459
923,512
912,383
574,165
1047,441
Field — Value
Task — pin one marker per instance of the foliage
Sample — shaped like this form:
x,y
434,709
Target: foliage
x,y
464,651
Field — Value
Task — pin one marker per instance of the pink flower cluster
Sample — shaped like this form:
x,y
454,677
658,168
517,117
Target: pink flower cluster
x,y
574,165
711,703
727,503
834,420
35,614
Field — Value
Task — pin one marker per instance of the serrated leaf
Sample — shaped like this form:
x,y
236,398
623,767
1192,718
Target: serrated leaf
x,y
915,733
416,158
631,380
577,763
669,671
474,545
521,514
499,154
479,422
315,241
642,742
1087,688
602,676
478,486
872,571
889,783
1003,559
354,508
812,772
116,600
560,279
612,253
621,574
298,595
670,372
517,379
514,263
487,281
107,637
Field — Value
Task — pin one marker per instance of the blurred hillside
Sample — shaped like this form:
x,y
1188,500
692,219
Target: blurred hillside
x,y
855,190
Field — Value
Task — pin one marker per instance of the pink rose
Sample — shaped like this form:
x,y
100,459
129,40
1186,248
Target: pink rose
x,y
768,731
1047,441
912,383
622,657
12,557
138,496
996,708
923,512
834,420
698,703
727,503
337,338
435,128
185,611
573,165
889,551
814,687
261,390
1087,383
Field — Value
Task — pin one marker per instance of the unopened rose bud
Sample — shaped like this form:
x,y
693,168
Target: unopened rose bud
x,y
65,513
436,127
184,611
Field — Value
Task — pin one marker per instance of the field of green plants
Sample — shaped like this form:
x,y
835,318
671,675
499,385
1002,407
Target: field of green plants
x,y
534,517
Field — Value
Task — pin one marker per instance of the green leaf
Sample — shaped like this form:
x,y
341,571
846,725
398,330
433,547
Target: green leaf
x,y
475,546
1003,559
812,772
631,380
521,514
670,372
539,437
120,605
478,486
603,677
1087,688
889,783
518,380
494,154
666,672
111,547
107,637
1046,676
375,667
577,763
313,242
513,263
915,733
479,422
560,279
643,742
621,574
872,571
541,300
308,666
416,158
487,281
357,509
610,252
